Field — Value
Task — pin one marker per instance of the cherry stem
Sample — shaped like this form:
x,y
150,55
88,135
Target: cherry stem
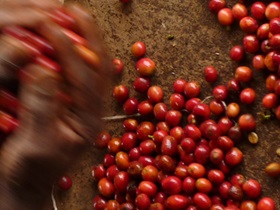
x,y
206,99
120,117
53,199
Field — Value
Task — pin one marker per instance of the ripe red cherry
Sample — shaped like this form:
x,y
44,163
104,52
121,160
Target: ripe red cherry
x,y
258,10
111,172
243,74
220,92
239,11
130,124
247,122
106,187
216,5
99,202
202,201
274,26
203,185
171,185
147,147
224,189
129,140
251,43
147,187
252,188
196,170
266,203
177,101
188,145
272,10
114,145
117,66
193,132
173,117
121,93
177,133
225,17
146,67
248,205
130,106
216,156
201,154
64,182
179,85
263,31
138,49
237,53
169,146
192,89
234,156
141,84
233,85
160,110
102,140
122,160
142,201
112,205
248,25
270,100
181,171
237,179
225,124
258,62
108,160
155,94
145,108
121,181
247,95
144,130
210,73
216,107
98,172
190,104
176,202
149,173
216,176
201,111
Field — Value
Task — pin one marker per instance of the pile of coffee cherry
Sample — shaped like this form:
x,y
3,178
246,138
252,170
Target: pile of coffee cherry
x,y
179,153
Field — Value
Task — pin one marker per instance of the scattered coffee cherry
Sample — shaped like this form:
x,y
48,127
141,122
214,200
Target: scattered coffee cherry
x,y
64,182
248,96
225,17
266,203
216,5
258,10
237,53
210,73
146,67
138,49
272,10
252,188
117,66
273,169
239,11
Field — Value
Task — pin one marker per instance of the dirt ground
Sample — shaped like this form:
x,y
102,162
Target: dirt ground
x,y
198,41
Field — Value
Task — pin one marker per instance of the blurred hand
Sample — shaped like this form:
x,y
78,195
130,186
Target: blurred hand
x,y
52,133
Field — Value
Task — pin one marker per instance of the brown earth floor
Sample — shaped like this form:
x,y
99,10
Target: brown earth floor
x,y
198,41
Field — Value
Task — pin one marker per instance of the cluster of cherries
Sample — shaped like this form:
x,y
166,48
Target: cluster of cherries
x,y
177,154
261,25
